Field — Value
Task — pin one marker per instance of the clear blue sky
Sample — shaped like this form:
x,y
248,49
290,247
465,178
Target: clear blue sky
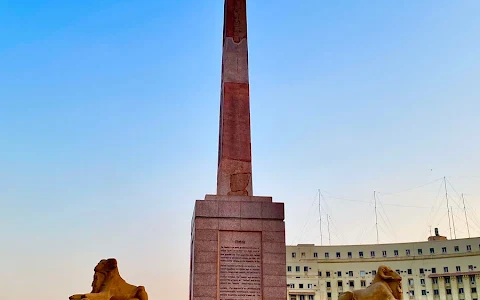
x,y
109,127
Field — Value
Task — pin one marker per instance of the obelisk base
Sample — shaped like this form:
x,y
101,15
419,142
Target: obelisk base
x,y
238,249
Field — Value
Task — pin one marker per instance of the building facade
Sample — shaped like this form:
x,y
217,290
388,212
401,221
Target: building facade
x,y
438,269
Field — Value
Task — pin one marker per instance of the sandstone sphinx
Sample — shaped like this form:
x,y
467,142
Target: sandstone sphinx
x,y
108,285
387,285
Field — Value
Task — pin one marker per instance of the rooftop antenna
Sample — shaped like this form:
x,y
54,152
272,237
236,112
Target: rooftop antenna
x,y
320,213
448,207
466,219
328,225
376,217
453,221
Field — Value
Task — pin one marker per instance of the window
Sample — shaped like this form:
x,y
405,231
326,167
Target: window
x,y
327,255
434,280
340,283
289,268
294,254
351,283
305,269
329,295
460,290
395,252
410,281
310,297
350,273
315,254
472,279
303,254
293,297
409,271
327,273
424,292
458,268
302,297
444,249
474,290
459,279
412,293
422,271
362,273
363,283
328,284
434,270
309,285
449,291
447,279
435,292
338,254
297,268
372,253
360,254
457,249
320,273
420,252
469,247
422,281
445,269
300,285
407,252
339,273
292,285
349,254
432,250
374,272
470,267
398,271
384,253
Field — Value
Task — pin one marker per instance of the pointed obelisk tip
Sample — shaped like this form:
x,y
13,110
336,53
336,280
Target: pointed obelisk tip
x,y
234,152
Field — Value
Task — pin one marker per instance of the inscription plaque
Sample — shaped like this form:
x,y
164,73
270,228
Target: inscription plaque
x,y
240,258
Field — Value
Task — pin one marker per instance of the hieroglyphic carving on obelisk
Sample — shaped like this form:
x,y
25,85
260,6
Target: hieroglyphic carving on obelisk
x,y
234,153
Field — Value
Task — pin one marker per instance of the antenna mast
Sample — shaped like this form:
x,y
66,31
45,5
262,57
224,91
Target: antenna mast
x,y
320,213
453,221
328,225
448,207
376,217
466,219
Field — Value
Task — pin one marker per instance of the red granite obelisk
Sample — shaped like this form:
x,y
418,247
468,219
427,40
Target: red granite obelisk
x,y
237,239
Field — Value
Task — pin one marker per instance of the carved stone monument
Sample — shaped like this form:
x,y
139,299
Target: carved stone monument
x,y
109,285
237,239
387,285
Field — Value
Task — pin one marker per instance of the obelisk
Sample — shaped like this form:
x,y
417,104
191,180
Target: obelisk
x,y
234,150
237,239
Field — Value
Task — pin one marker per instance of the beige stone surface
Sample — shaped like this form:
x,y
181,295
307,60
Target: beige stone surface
x,y
387,285
109,285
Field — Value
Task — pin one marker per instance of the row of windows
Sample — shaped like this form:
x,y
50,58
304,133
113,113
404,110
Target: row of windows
x,y
301,297
373,272
411,292
384,252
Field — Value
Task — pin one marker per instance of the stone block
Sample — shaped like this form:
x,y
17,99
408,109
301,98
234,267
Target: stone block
x,y
274,236
205,291
229,209
273,211
275,292
238,198
206,235
252,210
206,208
273,225
274,258
272,247
205,256
207,246
229,224
272,281
205,268
206,223
205,279
274,269
251,225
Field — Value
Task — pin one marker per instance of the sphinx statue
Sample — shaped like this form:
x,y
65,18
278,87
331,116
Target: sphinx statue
x,y
109,285
387,285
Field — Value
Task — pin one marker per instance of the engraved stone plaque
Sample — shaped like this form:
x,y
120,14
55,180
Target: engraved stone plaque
x,y
240,265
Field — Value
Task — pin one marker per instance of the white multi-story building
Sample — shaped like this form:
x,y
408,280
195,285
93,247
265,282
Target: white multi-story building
x,y
438,269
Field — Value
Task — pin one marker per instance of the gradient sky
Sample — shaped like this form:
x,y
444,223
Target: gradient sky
x,y
109,128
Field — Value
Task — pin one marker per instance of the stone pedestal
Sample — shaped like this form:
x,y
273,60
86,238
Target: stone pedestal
x,y
238,249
